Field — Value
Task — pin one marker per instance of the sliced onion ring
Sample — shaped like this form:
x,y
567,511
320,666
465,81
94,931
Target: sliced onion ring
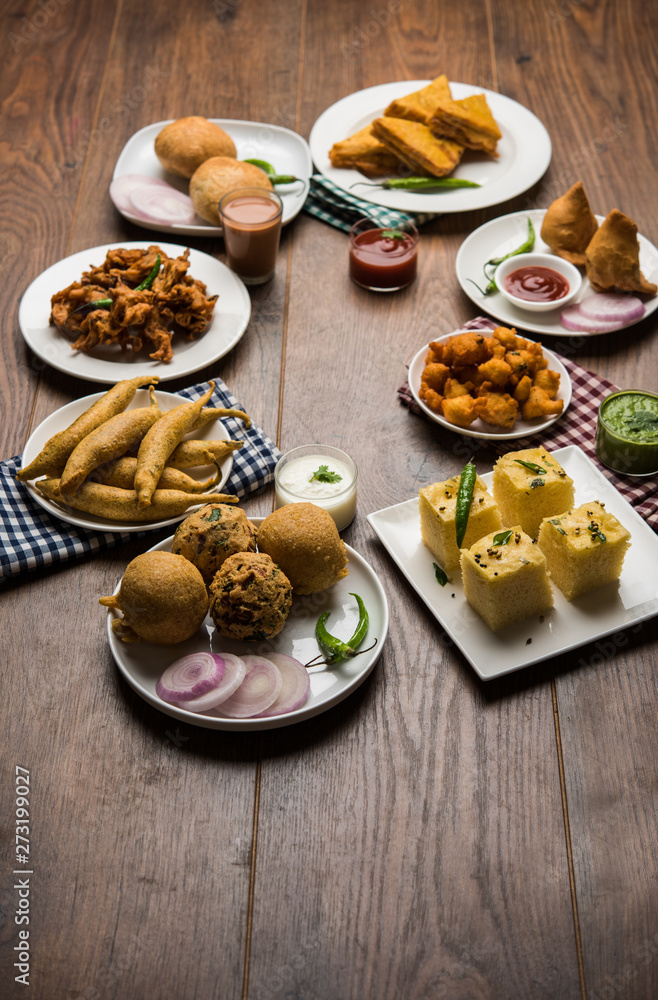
x,y
296,685
259,689
234,675
612,307
162,204
190,677
122,187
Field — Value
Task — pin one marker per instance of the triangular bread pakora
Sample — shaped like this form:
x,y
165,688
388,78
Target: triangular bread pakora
x,y
362,151
469,122
414,144
419,106
569,225
613,257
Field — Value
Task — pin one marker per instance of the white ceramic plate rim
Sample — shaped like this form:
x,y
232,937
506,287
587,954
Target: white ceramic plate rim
x,y
230,319
254,140
525,150
350,674
64,417
524,428
568,625
501,235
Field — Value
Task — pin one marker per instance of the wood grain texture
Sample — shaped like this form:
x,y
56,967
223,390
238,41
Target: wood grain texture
x,y
412,841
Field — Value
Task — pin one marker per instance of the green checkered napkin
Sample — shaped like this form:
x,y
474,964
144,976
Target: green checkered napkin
x,y
333,205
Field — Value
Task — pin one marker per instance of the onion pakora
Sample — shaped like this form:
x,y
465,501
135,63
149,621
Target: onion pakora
x,y
137,317
494,377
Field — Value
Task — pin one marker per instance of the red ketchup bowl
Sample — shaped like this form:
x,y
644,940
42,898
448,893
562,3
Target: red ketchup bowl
x,y
538,282
383,259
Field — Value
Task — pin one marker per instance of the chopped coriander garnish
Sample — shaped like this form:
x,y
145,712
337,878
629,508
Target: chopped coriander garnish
x,y
595,531
392,234
440,575
325,475
503,537
534,483
556,522
642,420
531,466
214,515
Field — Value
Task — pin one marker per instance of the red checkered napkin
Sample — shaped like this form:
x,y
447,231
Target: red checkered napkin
x,y
577,426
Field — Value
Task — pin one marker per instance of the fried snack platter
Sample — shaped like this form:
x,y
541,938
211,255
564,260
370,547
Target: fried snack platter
x,y
524,150
287,151
63,417
500,236
567,625
107,363
142,663
480,429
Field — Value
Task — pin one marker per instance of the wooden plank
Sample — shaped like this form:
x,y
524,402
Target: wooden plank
x,y
142,827
607,695
49,85
414,841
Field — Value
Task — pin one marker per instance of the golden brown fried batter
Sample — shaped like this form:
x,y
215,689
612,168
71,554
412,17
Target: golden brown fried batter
x,y
549,381
460,410
497,408
175,303
434,376
540,404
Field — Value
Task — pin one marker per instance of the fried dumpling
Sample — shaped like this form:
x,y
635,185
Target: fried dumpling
x,y
569,225
613,257
362,151
469,122
419,106
415,145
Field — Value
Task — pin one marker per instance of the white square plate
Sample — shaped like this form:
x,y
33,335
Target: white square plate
x,y
568,624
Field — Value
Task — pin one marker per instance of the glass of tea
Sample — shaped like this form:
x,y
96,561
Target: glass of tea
x,y
383,259
251,220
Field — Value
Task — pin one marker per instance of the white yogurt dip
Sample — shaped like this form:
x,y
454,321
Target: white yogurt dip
x,y
321,475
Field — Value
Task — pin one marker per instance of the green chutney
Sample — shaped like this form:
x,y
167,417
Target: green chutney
x,y
627,432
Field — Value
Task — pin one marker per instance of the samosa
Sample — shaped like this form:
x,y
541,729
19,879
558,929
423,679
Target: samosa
x,y
613,257
569,225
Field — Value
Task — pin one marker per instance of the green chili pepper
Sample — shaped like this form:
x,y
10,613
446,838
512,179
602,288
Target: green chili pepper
x,y
420,183
150,277
274,178
525,247
464,498
334,649
106,303
262,165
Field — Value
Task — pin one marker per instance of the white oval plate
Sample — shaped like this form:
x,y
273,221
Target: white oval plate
x,y
478,429
142,663
524,151
107,363
287,151
64,417
498,237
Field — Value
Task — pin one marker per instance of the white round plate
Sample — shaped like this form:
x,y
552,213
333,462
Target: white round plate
x,y
107,363
142,663
287,151
64,417
524,151
500,236
478,429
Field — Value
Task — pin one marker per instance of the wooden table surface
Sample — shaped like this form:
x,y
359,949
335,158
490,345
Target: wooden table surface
x,y
432,836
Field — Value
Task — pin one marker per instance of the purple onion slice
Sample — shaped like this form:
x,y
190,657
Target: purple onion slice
x,y
162,204
122,187
234,675
612,307
260,689
190,677
296,685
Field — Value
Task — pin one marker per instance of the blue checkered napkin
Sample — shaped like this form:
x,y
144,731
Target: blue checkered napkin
x,y
333,205
31,538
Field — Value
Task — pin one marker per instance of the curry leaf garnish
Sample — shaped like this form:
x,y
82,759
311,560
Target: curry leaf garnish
x,y
324,475
537,469
440,574
503,537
